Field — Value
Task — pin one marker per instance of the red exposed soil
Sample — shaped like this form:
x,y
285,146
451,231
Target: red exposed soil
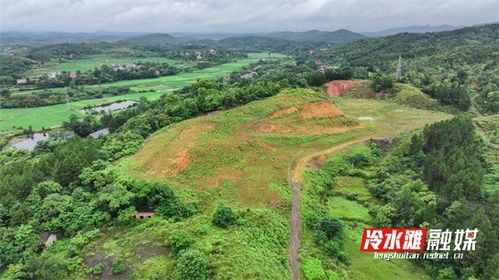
x,y
338,87
296,124
180,162
319,110
283,112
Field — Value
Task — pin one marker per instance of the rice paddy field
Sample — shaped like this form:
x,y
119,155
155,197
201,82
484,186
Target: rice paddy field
x,y
54,115
89,63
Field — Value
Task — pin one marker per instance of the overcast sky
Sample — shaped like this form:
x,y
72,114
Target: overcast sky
x,y
238,16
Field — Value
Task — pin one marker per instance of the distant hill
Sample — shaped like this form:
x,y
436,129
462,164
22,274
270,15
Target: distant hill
x,y
252,42
46,38
339,36
411,29
437,45
158,39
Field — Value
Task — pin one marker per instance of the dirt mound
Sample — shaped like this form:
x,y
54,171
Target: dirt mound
x,y
319,110
309,119
338,87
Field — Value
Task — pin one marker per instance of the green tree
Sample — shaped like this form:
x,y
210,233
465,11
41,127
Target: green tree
x,y
224,216
192,265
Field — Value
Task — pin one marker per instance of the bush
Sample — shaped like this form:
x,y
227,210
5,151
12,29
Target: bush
x,y
192,265
329,228
118,267
224,216
180,240
98,269
312,268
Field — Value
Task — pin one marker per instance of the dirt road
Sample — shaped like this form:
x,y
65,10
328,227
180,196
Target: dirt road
x,y
295,173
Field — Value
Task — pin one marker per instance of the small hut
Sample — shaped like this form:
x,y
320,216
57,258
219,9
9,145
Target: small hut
x,y
48,238
140,215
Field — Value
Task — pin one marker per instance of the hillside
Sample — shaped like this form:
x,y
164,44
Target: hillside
x,y
241,158
451,66
338,36
411,29
157,39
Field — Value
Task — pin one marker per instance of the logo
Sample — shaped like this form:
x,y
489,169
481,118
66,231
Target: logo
x,y
415,243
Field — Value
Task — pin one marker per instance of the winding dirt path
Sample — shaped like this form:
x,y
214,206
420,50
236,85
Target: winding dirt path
x,y
295,173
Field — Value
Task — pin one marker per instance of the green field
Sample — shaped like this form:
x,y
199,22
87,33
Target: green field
x,y
86,64
266,55
54,115
167,82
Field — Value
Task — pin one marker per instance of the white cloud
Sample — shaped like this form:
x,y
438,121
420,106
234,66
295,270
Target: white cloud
x,y
238,16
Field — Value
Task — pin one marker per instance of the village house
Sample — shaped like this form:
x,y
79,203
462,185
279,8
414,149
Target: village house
x,y
140,215
321,66
53,75
22,81
249,75
198,56
47,238
212,51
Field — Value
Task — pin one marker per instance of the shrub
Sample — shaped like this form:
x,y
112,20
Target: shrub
x,y
312,268
98,269
118,267
329,228
192,265
224,216
180,240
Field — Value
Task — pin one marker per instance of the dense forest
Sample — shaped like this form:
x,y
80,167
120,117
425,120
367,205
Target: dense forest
x,y
442,178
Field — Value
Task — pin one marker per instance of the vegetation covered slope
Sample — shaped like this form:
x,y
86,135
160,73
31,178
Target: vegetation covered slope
x,y
452,66
241,157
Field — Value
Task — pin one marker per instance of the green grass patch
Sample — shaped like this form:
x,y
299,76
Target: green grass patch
x,y
413,97
343,208
352,186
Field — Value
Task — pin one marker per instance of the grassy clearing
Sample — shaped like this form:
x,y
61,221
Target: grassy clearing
x,y
92,62
352,186
226,155
343,208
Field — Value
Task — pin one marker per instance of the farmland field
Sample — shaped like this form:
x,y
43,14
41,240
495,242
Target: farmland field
x,y
54,115
166,82
86,64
